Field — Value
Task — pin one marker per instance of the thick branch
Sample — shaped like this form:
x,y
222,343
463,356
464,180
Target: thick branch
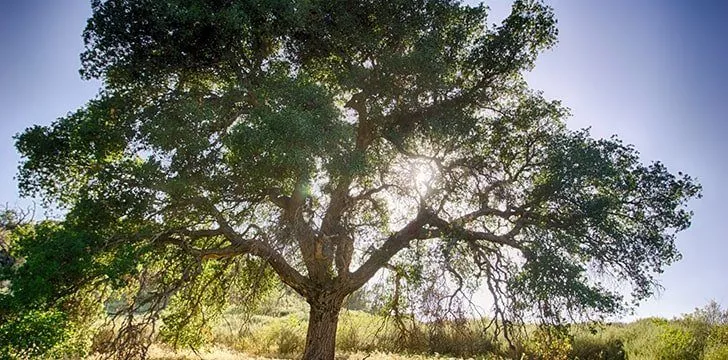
x,y
287,273
445,228
277,198
333,234
239,245
394,243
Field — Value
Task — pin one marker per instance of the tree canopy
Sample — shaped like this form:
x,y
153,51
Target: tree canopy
x,y
320,142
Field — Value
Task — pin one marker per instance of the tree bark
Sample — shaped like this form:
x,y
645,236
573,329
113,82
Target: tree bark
x,y
322,322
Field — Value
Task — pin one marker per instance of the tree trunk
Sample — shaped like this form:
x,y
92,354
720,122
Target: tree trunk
x,y
321,336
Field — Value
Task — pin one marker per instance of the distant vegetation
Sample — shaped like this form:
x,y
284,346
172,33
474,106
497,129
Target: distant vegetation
x,y
277,329
280,332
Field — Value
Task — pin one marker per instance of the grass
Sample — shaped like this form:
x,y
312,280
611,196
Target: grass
x,y
365,336
280,334
358,332
161,353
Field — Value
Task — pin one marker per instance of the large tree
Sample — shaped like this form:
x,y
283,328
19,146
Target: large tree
x,y
323,141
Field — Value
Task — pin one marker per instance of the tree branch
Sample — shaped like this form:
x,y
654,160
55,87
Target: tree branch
x,y
239,245
445,228
394,243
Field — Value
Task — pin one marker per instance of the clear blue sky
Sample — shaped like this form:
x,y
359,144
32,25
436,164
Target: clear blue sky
x,y
653,72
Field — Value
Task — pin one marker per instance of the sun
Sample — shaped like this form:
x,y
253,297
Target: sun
x,y
422,175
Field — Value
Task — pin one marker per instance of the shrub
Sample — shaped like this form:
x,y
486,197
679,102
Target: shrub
x,y
718,352
677,342
32,334
272,336
547,344
718,335
358,331
290,340
102,340
460,338
690,337
595,347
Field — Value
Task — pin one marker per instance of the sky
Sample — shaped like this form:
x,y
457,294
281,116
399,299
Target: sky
x,y
652,72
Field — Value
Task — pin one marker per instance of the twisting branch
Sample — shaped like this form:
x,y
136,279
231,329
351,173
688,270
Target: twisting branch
x,y
445,228
394,243
239,245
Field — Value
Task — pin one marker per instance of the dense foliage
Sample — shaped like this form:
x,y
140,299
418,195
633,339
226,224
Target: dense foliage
x,y
320,143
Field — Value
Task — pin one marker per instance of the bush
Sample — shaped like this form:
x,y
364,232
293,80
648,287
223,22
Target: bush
x,y
271,336
718,335
717,347
32,334
102,340
596,347
690,337
717,352
290,340
546,344
677,342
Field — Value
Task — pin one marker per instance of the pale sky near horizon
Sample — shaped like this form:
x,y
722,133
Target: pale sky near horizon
x,y
652,72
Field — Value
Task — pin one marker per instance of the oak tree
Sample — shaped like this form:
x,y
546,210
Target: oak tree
x,y
321,142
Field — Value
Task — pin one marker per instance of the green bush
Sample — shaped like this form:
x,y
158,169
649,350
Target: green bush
x,y
596,347
717,352
548,344
717,344
641,338
32,334
718,335
677,342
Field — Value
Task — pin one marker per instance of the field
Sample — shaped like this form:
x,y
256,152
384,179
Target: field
x,y
280,334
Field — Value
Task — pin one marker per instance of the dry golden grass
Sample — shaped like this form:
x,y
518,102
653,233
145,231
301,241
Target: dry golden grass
x,y
161,353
